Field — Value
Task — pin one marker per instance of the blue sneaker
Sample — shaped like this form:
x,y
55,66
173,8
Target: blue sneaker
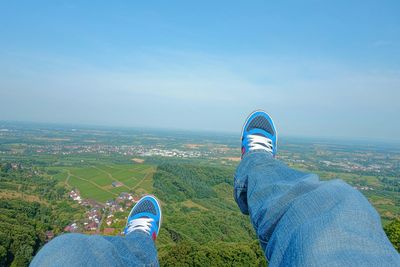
x,y
145,216
259,133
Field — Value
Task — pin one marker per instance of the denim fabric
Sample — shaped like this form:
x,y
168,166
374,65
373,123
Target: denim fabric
x,y
136,249
301,221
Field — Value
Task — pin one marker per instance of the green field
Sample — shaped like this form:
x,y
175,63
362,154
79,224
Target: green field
x,y
95,181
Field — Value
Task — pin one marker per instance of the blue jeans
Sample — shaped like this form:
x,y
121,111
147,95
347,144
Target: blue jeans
x,y
135,249
299,220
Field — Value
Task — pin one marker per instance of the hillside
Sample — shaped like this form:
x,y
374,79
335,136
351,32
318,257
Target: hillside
x,y
33,208
55,180
202,224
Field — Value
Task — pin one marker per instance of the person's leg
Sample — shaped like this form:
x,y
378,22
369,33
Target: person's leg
x,y
302,221
137,248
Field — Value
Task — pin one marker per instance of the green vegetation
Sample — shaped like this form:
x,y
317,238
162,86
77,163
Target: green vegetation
x,y
202,224
33,205
191,174
393,232
95,181
213,254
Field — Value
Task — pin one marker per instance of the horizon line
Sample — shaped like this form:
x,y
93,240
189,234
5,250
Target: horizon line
x,y
347,140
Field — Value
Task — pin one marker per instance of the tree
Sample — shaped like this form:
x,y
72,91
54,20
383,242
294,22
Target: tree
x,y
393,232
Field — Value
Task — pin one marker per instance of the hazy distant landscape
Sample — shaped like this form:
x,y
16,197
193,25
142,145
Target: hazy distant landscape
x,y
319,68
85,179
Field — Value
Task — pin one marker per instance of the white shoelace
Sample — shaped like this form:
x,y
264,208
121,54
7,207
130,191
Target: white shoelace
x,y
259,142
143,224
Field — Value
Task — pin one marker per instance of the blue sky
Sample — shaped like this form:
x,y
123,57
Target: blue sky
x,y
320,68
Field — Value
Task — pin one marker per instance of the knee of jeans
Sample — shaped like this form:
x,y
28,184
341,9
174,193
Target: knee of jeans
x,y
340,189
70,239
343,192
68,236
53,252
